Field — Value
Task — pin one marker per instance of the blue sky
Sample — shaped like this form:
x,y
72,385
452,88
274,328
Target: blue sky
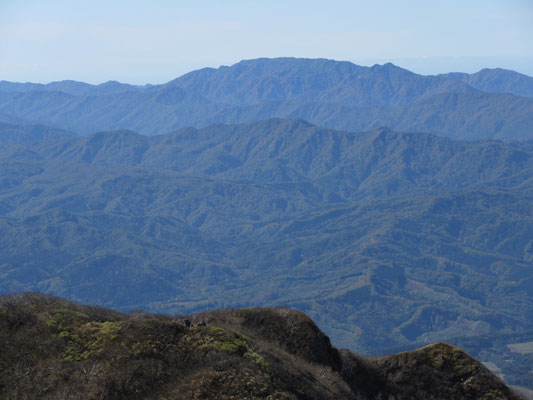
x,y
155,41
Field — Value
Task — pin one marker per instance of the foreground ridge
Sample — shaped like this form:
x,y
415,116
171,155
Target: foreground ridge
x,y
53,348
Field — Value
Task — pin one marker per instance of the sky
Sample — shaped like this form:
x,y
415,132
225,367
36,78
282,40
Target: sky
x,y
155,41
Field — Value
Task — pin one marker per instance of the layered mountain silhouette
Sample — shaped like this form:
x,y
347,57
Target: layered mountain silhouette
x,y
385,238
13,133
497,80
305,183
491,104
70,87
52,348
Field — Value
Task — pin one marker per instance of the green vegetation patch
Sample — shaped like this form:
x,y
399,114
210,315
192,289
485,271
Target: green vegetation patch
x,y
232,341
64,320
258,359
522,348
89,340
225,340
441,354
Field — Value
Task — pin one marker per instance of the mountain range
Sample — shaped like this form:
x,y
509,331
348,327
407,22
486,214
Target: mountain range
x,y
491,104
400,215
386,238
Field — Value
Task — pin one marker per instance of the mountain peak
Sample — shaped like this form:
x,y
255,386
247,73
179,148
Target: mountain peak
x,y
390,67
328,93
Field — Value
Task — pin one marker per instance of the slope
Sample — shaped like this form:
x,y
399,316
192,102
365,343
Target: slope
x,y
497,80
384,238
338,95
56,349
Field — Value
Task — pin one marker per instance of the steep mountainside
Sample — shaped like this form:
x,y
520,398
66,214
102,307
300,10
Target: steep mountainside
x,y
352,228
320,80
338,95
53,349
384,238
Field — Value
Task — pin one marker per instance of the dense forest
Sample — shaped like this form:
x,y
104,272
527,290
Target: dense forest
x,y
273,182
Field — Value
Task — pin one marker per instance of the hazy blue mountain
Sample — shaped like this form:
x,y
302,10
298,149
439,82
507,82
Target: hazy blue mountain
x,y
70,87
467,116
425,237
278,151
497,80
384,235
153,111
320,80
11,133
337,95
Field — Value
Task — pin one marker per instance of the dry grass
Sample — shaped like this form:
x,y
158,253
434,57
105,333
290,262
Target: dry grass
x,y
54,349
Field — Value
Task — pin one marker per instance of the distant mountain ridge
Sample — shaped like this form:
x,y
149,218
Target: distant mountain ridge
x,y
71,87
339,95
497,80
319,80
262,151
12,133
220,206
386,236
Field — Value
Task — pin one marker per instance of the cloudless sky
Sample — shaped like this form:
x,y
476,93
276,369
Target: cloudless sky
x,y
155,41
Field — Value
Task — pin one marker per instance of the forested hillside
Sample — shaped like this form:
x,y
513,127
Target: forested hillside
x,y
492,104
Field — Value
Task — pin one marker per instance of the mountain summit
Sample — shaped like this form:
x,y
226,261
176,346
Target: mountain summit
x,y
333,94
